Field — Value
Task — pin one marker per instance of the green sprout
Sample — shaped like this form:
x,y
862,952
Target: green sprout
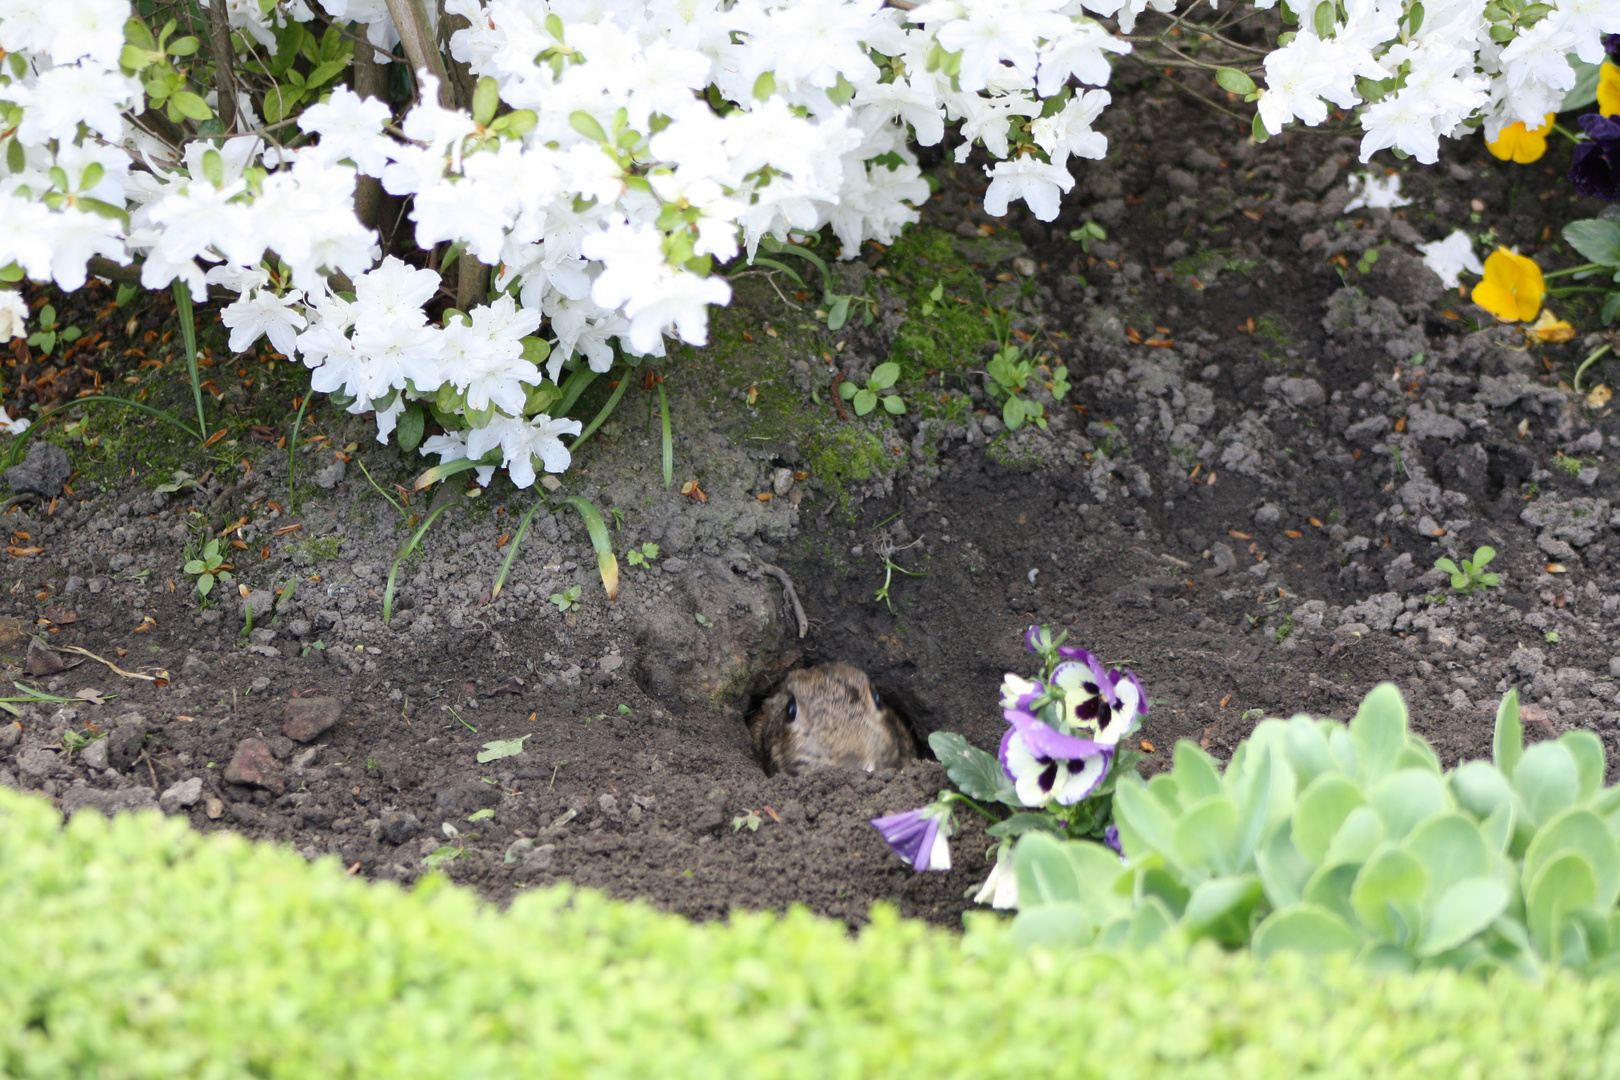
x,y
642,556
866,398
208,568
1086,233
45,338
1010,371
567,600
1471,577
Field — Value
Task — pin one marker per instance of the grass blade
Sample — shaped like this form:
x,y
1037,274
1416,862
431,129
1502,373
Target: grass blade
x,y
292,449
668,436
188,334
760,260
605,560
572,387
606,410
446,498
511,553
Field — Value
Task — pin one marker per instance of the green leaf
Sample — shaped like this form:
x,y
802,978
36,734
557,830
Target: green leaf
x,y
884,375
1258,130
1194,770
1061,925
1584,92
1144,822
1320,812
1564,883
1577,829
1356,839
1306,749
486,98
1463,911
1045,874
894,404
1407,798
1595,238
502,748
1390,886
838,313
976,774
191,106
1012,413
1206,835
587,125
136,33
1324,18
1587,751
410,427
1234,81
1304,928
1283,870
1449,567
205,584
1547,780
865,401
1221,909
185,46
1451,849
1150,923
765,85
1330,887
847,389
1507,745
325,73
1020,823
1378,732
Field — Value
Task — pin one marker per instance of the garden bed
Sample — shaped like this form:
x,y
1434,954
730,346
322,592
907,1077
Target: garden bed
x,y
1241,498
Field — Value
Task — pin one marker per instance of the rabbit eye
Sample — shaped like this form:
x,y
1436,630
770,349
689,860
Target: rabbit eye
x,y
792,710
877,700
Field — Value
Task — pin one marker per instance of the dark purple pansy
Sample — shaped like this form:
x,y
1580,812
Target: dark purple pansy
x,y
1046,765
1611,45
1595,168
1111,838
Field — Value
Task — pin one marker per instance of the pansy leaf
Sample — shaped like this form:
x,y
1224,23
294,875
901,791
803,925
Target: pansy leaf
x,y
1021,823
976,774
1595,238
1304,928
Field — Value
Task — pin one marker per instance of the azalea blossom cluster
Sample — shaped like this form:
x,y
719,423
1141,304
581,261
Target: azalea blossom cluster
x,y
1065,743
1420,71
613,154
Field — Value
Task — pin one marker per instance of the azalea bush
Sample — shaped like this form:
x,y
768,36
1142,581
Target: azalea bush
x,y
1060,758
1322,837
587,171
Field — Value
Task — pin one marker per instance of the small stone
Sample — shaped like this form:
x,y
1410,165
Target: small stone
x,y
610,662
181,796
261,602
308,718
398,827
43,472
255,766
95,755
124,744
11,734
782,481
263,635
609,805
331,476
550,483
36,762
214,808
129,799
466,799
195,668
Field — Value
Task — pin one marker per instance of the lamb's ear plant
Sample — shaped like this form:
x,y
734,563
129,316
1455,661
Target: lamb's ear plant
x,y
1471,577
1321,837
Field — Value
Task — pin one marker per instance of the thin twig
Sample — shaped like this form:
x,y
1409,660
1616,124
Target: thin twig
x,y
788,591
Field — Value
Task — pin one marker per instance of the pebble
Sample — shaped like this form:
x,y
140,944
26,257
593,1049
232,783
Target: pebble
x,y
308,718
180,796
214,808
397,827
195,668
254,765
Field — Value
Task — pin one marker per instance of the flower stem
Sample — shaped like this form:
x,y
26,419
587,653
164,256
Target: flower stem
x,y
1572,136
957,796
1597,354
1583,268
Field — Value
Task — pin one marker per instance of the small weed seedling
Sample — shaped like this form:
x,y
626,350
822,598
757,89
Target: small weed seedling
x,y
45,338
866,398
748,820
567,600
208,567
1010,371
642,556
1086,233
935,296
886,551
1471,577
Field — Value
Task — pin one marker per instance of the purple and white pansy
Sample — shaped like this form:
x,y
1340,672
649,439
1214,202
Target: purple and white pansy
x,y
920,837
1046,765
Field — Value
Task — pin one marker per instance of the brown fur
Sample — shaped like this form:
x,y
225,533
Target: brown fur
x,y
837,724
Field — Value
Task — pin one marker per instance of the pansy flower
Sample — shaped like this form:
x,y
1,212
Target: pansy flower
x,y
1595,167
1106,702
1046,765
1000,889
1019,693
920,837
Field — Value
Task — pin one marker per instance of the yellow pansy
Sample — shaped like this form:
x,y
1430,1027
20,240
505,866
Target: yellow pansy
x,y
1608,100
1513,286
1521,144
1550,327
